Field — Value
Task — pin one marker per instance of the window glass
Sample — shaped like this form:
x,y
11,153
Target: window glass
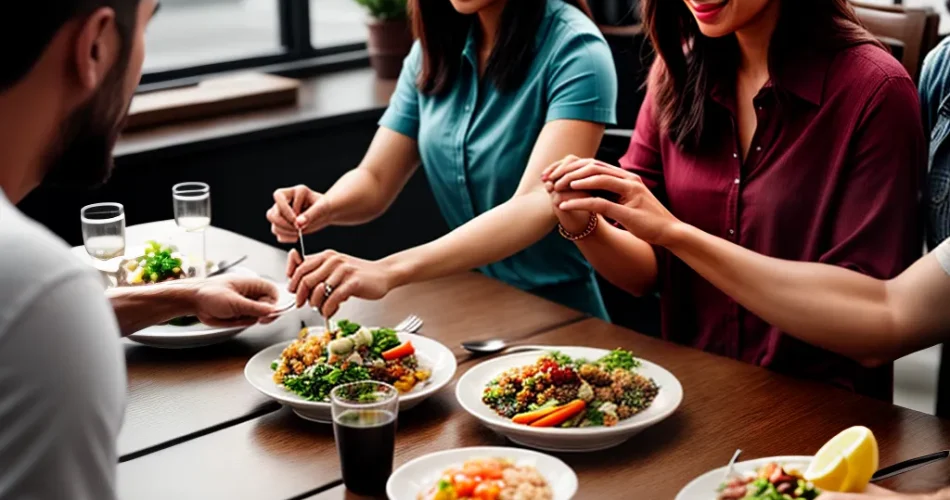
x,y
198,32
336,22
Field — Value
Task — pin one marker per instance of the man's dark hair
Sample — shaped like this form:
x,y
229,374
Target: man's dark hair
x,y
28,26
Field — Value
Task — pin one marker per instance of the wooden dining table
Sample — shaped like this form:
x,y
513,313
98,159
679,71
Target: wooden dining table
x,y
195,429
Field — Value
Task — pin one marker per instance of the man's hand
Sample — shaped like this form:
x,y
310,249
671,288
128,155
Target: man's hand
x,y
343,276
297,207
234,300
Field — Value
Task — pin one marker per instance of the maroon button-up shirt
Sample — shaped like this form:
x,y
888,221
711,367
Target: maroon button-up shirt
x,y
831,176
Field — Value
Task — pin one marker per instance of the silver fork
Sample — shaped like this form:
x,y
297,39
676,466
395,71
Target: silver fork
x,y
412,324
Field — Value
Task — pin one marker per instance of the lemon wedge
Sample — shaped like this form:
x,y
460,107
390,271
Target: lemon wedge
x,y
846,462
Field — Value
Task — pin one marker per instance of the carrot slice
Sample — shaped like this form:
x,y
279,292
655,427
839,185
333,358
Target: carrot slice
x,y
561,415
400,351
530,416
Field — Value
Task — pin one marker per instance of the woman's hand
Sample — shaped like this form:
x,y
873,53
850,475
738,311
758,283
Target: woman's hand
x,y
575,221
343,276
298,207
636,209
234,301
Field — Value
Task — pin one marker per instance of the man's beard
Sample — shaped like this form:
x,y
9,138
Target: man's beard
x,y
82,154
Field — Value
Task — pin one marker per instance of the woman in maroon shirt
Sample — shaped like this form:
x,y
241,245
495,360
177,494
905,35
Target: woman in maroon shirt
x,y
782,126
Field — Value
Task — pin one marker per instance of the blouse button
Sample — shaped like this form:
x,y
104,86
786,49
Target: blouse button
x,y
468,108
736,181
758,148
735,155
732,231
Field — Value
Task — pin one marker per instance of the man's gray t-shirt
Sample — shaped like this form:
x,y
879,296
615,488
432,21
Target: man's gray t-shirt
x,y
62,369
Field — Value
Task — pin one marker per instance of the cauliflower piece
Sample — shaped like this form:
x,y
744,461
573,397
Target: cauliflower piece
x,y
586,392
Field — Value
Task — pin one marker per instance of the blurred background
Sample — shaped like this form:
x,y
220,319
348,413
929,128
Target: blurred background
x,y
324,131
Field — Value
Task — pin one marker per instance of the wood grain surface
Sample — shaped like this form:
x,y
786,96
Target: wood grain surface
x,y
727,405
175,395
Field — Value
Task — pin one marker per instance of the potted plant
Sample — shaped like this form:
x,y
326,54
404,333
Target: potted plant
x,y
390,37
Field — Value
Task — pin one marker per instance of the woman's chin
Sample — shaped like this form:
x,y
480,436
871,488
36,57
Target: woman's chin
x,y
715,30
467,6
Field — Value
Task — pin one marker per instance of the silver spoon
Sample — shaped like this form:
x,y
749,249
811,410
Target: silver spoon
x,y
493,346
224,267
732,463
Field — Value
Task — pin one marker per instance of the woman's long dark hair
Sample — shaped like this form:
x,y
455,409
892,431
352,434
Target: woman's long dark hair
x,y
682,78
442,31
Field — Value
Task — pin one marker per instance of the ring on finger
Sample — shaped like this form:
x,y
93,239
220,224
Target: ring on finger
x,y
327,290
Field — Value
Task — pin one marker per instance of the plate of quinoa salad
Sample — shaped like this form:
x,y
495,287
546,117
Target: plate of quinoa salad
x,y
569,398
301,373
771,478
483,473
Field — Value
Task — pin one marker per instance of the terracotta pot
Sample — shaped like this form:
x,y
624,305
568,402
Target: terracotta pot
x,y
389,43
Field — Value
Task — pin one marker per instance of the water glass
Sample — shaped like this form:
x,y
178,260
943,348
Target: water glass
x,y
364,424
192,203
103,230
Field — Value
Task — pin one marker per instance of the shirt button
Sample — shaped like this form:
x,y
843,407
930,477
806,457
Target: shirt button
x,y
732,231
758,148
735,155
736,181
468,108
760,108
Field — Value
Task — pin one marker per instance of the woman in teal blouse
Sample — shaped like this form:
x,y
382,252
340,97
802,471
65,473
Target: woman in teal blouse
x,y
493,92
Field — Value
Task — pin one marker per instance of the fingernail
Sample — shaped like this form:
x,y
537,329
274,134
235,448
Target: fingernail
x,y
301,221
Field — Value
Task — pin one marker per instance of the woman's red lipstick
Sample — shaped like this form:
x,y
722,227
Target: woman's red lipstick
x,y
707,12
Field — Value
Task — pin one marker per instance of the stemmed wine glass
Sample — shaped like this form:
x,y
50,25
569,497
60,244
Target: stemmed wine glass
x,y
193,213
103,230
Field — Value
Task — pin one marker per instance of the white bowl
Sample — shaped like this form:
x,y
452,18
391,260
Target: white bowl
x,y
431,354
471,386
705,487
198,335
420,474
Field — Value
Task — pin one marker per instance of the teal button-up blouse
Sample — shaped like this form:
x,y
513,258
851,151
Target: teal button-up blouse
x,y
475,141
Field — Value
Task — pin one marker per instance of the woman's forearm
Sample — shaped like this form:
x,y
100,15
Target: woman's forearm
x,y
493,236
140,307
621,258
358,197
827,306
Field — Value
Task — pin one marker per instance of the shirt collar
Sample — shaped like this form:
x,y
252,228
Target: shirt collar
x,y
803,75
470,51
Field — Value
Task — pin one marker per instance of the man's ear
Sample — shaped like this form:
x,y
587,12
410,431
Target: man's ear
x,y
97,48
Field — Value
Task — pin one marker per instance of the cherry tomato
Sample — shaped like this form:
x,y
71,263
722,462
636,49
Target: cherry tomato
x,y
487,491
491,471
464,485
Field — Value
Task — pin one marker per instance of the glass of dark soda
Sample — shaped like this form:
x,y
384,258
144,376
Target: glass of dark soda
x,y
364,424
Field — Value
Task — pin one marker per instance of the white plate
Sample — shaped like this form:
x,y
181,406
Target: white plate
x,y
420,474
431,354
705,487
197,335
470,388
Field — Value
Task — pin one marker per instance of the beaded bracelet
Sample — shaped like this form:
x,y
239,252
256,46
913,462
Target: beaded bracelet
x,y
591,226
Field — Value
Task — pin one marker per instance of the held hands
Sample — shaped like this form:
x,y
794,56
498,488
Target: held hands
x,y
234,301
297,207
329,278
571,181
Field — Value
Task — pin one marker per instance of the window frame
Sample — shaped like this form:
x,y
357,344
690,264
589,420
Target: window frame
x,y
299,57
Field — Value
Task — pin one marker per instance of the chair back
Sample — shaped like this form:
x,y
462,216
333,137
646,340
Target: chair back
x,y
910,31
